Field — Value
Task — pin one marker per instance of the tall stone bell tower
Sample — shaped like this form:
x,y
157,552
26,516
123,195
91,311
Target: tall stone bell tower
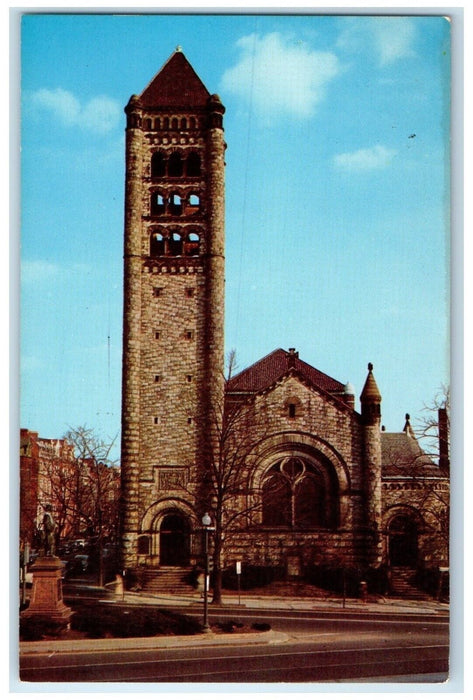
x,y
173,310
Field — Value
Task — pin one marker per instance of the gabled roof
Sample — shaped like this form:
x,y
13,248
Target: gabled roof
x,y
402,456
176,84
271,368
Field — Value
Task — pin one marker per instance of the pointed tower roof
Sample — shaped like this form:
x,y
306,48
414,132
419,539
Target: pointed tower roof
x,y
370,391
408,427
174,85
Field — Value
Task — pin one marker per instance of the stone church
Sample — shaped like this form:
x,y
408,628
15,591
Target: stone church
x,y
290,472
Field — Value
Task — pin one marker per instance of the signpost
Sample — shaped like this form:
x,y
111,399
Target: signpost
x,y
207,527
238,572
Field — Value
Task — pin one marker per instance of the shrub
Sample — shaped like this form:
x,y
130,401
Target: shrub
x,y
335,579
252,576
131,621
338,579
229,625
378,580
261,626
37,627
433,582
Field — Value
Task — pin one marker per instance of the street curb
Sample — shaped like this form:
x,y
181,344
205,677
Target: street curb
x,y
147,643
393,606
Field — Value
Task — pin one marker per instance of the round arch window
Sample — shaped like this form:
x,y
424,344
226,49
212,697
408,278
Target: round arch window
x,y
299,494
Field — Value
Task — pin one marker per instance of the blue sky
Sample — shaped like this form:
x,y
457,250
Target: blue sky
x,y
337,209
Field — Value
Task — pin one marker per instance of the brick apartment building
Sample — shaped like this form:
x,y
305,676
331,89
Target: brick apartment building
x,y
45,464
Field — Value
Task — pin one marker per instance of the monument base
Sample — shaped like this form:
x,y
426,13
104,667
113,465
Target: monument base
x,y
46,595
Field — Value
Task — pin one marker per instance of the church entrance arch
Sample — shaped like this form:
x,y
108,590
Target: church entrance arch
x,y
174,540
403,541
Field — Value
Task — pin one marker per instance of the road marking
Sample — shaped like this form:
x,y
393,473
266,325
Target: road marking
x,y
241,656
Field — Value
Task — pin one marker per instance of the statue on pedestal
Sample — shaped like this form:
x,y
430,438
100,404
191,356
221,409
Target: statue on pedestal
x,y
49,532
46,595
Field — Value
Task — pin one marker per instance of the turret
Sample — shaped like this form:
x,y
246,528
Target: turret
x,y
408,427
371,416
370,400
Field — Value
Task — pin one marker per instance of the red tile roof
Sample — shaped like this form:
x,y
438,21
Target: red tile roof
x,y
176,84
268,370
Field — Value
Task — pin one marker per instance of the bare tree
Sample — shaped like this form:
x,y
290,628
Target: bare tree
x,y
230,463
97,487
433,428
424,464
57,484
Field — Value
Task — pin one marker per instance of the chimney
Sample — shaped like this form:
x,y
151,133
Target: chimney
x,y
444,457
292,357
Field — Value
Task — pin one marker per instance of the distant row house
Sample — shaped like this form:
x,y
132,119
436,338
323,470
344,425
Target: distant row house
x,y
77,489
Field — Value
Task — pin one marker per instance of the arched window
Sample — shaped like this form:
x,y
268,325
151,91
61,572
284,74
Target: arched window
x,y
175,244
309,498
158,165
175,165
144,542
193,165
148,124
158,204
194,201
174,123
183,123
277,502
192,245
156,244
175,204
298,494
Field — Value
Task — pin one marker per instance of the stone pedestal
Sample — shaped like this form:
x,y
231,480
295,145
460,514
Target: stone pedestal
x,y
46,595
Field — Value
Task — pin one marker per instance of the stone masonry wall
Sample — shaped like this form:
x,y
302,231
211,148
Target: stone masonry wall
x,y
173,311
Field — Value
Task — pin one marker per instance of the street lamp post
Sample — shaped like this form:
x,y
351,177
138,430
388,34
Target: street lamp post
x,y
206,522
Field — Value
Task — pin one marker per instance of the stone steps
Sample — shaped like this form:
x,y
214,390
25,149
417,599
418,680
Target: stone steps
x,y
403,584
167,580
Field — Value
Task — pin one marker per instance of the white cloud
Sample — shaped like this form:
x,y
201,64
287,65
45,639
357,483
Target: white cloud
x,y
392,38
62,103
374,158
100,114
280,77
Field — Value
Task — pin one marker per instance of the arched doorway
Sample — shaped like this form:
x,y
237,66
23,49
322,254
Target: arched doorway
x,y
403,541
174,540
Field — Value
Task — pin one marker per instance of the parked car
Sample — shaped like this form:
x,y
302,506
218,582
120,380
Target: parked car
x,y
82,562
77,566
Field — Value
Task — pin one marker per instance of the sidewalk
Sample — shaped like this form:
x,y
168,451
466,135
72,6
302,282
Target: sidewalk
x,y
262,602
146,643
247,602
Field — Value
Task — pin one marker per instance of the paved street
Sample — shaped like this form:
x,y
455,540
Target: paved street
x,y
403,642
323,659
